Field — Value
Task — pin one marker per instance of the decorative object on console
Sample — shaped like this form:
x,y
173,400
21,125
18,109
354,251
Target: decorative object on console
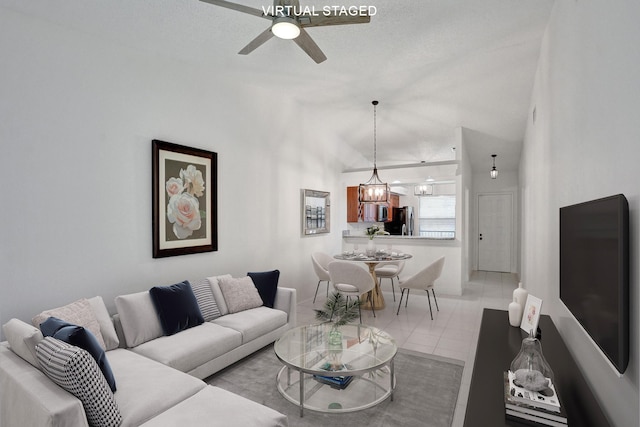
x,y
494,171
515,313
374,190
184,200
530,368
531,314
520,295
533,407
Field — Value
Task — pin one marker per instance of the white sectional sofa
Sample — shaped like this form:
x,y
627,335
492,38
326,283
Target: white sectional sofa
x,y
158,377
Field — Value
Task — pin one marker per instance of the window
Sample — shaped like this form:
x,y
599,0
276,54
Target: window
x,y
437,217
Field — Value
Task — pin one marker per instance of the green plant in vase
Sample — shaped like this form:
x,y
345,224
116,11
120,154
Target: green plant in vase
x,y
338,311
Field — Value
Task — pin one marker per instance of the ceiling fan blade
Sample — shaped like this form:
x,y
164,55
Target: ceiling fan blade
x,y
307,44
257,42
238,7
332,19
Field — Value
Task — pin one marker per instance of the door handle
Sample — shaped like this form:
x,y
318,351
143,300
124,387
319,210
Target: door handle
x,y
480,236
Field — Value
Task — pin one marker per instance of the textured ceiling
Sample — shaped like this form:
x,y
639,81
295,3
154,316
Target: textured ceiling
x,y
435,66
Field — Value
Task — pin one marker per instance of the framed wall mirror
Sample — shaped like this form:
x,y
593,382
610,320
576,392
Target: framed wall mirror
x,y
316,209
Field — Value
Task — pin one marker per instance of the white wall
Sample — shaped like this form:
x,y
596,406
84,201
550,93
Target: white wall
x,y
78,116
582,146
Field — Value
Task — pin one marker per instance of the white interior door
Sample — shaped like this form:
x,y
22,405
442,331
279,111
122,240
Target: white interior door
x,y
495,213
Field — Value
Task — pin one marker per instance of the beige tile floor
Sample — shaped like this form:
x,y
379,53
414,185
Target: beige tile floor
x,y
453,332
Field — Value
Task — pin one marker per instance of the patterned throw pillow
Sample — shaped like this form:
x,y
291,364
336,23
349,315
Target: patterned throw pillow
x,y
206,302
239,294
73,369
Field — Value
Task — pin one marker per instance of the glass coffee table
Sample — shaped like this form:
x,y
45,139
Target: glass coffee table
x,y
329,372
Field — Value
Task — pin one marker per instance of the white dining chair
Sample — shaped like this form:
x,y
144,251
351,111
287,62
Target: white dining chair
x,y
424,280
389,270
321,262
351,280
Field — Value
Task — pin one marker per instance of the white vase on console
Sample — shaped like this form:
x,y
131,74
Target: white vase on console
x,y
515,313
520,295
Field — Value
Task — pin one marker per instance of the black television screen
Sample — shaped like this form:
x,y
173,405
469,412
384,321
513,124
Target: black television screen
x,y
594,272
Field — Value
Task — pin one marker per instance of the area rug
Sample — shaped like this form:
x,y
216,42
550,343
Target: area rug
x,y
426,392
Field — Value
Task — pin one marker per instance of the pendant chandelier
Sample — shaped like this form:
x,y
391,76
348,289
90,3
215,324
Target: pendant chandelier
x,y
374,190
494,171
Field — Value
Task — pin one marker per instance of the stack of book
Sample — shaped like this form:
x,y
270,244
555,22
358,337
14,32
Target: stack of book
x,y
533,408
339,382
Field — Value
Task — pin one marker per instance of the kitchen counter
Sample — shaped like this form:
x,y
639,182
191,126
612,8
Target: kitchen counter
x,y
395,237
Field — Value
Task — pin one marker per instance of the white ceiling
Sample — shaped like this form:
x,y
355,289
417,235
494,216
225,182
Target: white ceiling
x,y
434,65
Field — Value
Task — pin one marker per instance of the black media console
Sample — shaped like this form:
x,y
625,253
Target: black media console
x,y
498,345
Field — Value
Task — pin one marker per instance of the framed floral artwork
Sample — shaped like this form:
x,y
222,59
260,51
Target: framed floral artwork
x,y
531,315
184,197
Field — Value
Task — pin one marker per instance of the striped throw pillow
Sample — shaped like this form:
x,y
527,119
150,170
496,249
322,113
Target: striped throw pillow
x,y
206,302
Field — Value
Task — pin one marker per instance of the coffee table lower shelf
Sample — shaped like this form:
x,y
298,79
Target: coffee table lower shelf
x,y
364,391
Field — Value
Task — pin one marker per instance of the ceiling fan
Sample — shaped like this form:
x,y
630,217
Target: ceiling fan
x,y
289,20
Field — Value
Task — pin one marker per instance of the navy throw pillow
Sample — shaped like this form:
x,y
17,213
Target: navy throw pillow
x,y
267,284
79,337
177,307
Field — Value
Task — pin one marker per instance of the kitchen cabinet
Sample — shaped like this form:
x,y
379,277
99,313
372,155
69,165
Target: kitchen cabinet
x,y
394,202
366,212
353,206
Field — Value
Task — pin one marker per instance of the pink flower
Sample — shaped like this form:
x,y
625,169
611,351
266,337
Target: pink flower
x,y
183,211
174,186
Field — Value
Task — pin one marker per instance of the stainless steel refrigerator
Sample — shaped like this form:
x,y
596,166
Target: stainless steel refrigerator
x,y
402,223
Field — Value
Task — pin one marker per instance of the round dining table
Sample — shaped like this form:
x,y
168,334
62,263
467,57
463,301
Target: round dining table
x,y
377,299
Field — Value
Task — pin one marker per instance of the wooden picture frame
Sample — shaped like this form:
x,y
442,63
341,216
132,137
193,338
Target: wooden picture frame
x,y
184,200
531,315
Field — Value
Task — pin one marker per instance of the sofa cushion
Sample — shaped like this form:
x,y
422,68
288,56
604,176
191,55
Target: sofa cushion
x,y
107,329
147,388
23,338
73,369
80,337
79,313
217,293
254,323
138,317
267,284
176,306
192,347
206,302
239,293
213,406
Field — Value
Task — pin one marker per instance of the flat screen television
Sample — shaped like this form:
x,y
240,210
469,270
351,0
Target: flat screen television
x,y
594,272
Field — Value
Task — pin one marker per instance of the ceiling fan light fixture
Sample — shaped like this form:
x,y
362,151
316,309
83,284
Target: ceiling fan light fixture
x,y
285,27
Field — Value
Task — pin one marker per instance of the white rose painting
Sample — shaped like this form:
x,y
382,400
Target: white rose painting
x,y
183,207
184,200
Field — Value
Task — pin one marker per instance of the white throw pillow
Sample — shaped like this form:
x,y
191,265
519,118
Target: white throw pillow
x,y
107,329
240,294
139,318
23,338
217,293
